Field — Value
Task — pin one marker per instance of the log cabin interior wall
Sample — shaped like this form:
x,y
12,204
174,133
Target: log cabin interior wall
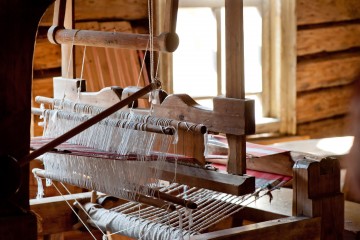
x,y
328,63
122,16
328,57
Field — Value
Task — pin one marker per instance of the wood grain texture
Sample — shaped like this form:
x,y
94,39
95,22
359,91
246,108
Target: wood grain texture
x,y
317,194
289,228
217,181
54,214
235,88
227,117
108,66
328,39
46,55
111,9
288,67
323,104
329,127
321,11
336,70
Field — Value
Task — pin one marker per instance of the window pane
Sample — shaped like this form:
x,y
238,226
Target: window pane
x,y
252,49
195,60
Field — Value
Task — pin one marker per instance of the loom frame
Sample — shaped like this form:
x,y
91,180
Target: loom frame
x,y
311,196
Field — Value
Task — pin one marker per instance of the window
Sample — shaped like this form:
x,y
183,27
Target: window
x,y
198,65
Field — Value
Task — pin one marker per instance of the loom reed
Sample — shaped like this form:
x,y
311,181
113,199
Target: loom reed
x,y
107,112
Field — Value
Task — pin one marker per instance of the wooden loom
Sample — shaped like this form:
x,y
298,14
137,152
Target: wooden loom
x,y
311,200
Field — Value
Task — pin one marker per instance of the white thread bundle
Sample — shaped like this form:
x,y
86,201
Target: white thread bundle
x,y
133,226
147,222
98,174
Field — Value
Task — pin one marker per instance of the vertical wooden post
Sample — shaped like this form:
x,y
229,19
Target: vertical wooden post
x,y
67,50
19,20
317,194
234,43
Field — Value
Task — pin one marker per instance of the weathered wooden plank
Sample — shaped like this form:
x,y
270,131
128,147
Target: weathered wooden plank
x,y
107,66
235,88
320,11
328,39
330,127
112,9
54,214
47,18
287,107
338,70
46,55
294,227
316,193
323,104
96,10
42,87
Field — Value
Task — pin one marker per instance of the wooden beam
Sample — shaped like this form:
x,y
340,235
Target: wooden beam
x,y
316,105
330,71
327,127
197,177
163,42
55,215
234,42
288,228
328,39
120,9
229,115
288,67
320,11
46,55
317,193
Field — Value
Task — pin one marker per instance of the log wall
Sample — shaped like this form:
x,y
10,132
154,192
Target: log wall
x,y
117,15
328,57
328,62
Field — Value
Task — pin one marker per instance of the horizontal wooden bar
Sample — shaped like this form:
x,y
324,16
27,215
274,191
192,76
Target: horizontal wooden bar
x,y
202,178
328,39
289,228
320,11
329,102
230,115
55,214
165,42
328,71
328,127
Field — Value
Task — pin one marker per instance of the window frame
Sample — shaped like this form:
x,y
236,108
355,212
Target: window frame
x,y
278,61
